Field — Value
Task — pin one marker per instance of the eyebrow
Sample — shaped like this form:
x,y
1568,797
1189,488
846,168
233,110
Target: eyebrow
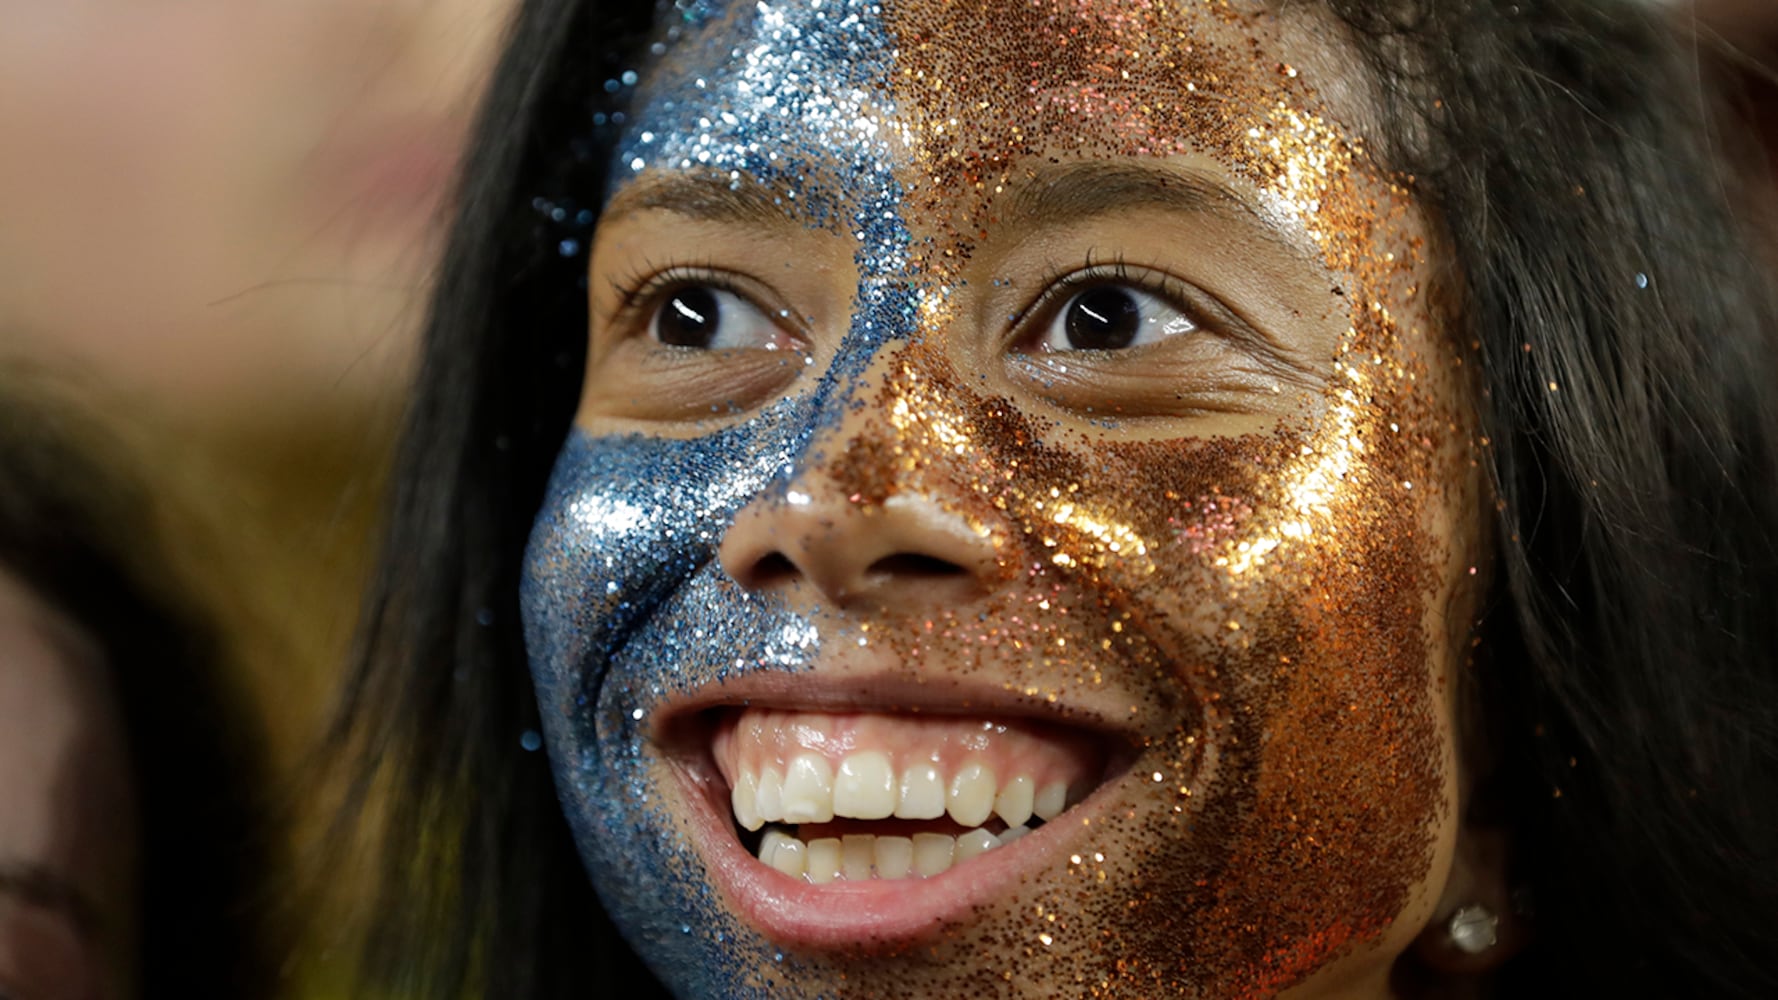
x,y
46,889
707,197
1055,195
1074,192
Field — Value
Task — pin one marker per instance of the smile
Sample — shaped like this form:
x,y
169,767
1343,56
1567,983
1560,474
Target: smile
x,y
833,824
862,796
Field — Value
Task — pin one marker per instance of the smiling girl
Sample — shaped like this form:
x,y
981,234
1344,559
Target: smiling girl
x,y
1065,499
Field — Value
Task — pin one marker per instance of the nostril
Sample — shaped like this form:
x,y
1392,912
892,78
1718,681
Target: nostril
x,y
915,566
771,570
906,553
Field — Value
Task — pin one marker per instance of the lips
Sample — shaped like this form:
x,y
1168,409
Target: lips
x,y
831,824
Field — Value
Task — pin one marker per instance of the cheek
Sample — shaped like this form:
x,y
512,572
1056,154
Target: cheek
x,y
1278,606
1316,776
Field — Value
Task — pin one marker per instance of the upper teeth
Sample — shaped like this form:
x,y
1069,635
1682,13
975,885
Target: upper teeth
x,y
866,787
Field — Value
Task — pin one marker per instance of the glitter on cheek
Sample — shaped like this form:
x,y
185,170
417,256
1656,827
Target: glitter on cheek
x,y
624,606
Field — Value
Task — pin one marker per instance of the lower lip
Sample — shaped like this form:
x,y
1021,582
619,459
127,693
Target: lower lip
x,y
878,915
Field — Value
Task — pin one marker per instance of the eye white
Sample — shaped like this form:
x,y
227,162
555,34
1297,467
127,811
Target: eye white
x,y
1112,317
712,319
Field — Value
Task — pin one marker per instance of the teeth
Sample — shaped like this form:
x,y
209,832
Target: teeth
x,y
971,800
865,787
861,857
770,801
857,852
922,793
895,857
784,852
743,797
973,843
1013,833
808,793
824,860
1013,804
932,853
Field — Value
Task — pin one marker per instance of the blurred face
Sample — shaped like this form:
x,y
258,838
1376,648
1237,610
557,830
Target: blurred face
x,y
225,207
1014,541
67,833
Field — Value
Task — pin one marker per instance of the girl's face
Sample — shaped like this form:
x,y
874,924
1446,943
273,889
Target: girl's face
x,y
1014,537
68,829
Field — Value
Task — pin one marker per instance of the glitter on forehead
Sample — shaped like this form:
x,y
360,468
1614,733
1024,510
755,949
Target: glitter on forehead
x,y
799,109
1300,156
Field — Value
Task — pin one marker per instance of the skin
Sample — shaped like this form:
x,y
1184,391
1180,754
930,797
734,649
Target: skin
x,y
67,860
216,222
260,252
1248,550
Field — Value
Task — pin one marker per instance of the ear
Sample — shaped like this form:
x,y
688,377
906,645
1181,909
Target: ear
x,y
1479,888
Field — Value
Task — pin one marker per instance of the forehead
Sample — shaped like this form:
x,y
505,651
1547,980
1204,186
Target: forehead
x,y
943,104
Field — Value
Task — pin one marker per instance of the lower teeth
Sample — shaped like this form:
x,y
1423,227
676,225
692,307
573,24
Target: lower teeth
x,y
862,856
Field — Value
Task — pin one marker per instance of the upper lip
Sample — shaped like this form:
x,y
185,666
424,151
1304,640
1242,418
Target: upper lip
x,y
674,722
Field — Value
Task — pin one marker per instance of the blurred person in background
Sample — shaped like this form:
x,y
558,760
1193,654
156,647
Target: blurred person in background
x,y
218,219
1748,34
131,852
219,216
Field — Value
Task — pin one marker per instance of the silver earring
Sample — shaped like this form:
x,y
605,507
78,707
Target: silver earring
x,y
1473,929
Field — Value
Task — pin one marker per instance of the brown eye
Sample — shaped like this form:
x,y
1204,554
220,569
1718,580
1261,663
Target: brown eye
x,y
1102,319
1111,317
707,318
689,318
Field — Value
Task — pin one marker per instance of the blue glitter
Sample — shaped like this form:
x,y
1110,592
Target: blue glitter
x,y
531,740
624,602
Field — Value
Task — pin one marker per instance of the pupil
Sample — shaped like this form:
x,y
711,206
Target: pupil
x,y
689,318
1103,319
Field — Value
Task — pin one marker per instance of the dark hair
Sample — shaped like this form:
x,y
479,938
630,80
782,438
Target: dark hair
x,y
77,533
1623,318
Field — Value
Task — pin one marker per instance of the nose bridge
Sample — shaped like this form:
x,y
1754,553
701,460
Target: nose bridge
x,y
868,515
894,430
865,450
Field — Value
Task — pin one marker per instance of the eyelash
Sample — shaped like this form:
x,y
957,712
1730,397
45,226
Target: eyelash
x,y
648,283
1061,286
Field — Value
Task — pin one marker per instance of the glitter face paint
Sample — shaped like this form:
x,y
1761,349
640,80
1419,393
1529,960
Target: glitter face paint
x,y
1239,550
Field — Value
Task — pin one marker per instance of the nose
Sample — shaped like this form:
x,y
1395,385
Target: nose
x,y
848,535
906,553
